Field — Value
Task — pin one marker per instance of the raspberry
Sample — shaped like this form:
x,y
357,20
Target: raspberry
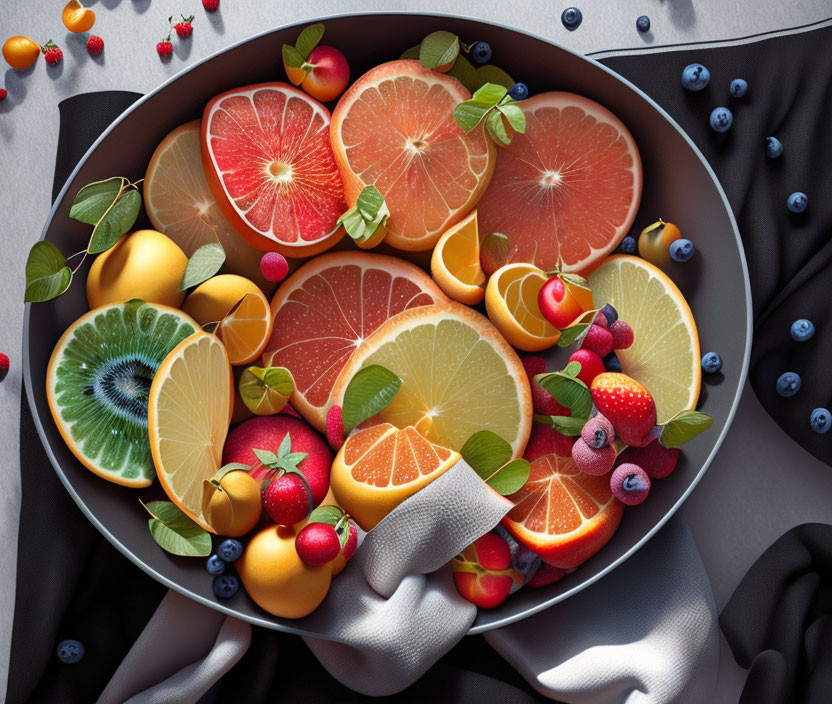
x,y
591,461
184,28
622,335
3,93
95,45
210,5
598,340
4,358
164,48
274,266
335,427
52,53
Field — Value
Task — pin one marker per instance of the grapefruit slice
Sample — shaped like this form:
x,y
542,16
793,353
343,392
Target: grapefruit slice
x,y
327,308
394,128
180,204
568,188
378,468
562,514
269,164
458,376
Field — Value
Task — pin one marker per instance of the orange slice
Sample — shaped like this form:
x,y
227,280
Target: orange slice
x,y
511,302
394,128
455,262
189,409
77,18
378,468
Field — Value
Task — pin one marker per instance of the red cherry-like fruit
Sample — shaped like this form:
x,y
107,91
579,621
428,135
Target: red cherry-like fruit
x,y
655,459
560,303
598,340
352,541
4,358
591,365
164,48
335,427
545,575
543,402
317,544
287,499
483,573
328,74
210,5
95,45
3,93
622,335
273,266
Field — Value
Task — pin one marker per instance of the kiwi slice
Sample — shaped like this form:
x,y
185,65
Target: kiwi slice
x,y
98,381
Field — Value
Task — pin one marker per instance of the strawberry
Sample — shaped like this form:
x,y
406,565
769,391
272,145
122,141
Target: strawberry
x,y
627,405
164,47
210,5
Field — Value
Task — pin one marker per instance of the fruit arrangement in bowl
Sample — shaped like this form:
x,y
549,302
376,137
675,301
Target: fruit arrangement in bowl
x,y
271,389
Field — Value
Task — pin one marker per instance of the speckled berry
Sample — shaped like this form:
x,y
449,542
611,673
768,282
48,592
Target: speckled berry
x,y
598,340
611,363
95,45
802,330
711,362
609,312
695,77
627,246
643,24
774,147
230,550
622,335
273,266
682,250
597,432
738,87
629,484
571,18
225,586
721,119
654,458
788,384
797,202
70,651
519,91
589,460
481,53
821,420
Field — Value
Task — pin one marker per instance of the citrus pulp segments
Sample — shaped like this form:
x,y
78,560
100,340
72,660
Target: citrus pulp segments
x,y
189,411
455,262
458,375
394,128
562,514
325,309
665,355
568,188
269,163
180,204
104,423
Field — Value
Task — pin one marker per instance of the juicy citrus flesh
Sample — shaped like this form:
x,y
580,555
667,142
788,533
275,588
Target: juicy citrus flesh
x,y
327,308
189,410
511,301
76,17
213,299
458,376
246,331
98,381
568,188
180,204
394,128
664,356
269,148
455,262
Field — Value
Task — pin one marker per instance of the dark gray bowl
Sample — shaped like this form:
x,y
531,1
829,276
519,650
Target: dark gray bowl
x,y
677,181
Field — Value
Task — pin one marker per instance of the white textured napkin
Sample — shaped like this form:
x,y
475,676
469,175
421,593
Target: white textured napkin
x,y
645,634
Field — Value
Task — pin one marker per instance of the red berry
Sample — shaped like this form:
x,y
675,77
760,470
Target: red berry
x,y
210,5
274,266
95,45
591,461
655,459
627,405
317,544
622,335
287,499
3,93
630,484
52,53
4,358
483,573
184,27
598,340
545,575
545,440
352,541
591,365
164,48
543,402
335,427
492,552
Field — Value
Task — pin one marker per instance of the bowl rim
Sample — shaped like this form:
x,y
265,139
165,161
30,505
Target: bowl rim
x,y
474,629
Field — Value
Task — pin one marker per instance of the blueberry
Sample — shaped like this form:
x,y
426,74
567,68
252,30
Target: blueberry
x,y
798,202
215,565
802,330
695,77
481,53
571,18
788,384
611,363
774,147
721,119
627,245
230,550
610,313
643,24
711,362
820,420
519,91
70,651
681,250
739,87
226,586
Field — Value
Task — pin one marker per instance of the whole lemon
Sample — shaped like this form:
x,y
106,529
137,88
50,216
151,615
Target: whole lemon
x,y
234,508
277,579
211,300
144,264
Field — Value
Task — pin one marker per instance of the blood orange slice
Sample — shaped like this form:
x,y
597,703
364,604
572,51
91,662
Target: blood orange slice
x,y
562,514
568,188
269,163
394,128
327,308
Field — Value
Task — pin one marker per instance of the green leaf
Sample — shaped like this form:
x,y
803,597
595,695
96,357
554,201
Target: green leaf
x,y
115,222
412,52
292,57
47,273
515,116
370,213
496,127
203,264
568,391
284,459
370,202
572,333
464,71
486,452
488,95
565,425
308,39
510,478
266,457
572,369
369,391
175,532
95,199
326,514
438,49
258,383
469,114
492,74
684,426
574,280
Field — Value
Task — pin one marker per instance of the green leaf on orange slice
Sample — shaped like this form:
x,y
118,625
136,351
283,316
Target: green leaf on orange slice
x,y
369,391
565,425
514,114
369,214
510,478
572,333
412,52
175,532
568,391
438,49
496,127
486,452
47,273
572,369
684,426
203,264
309,38
259,384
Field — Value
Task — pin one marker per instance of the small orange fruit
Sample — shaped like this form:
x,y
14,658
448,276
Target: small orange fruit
x,y
77,18
20,52
655,240
234,507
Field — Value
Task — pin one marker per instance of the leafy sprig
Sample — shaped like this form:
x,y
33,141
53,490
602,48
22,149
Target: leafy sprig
x,y
296,56
489,455
175,532
491,103
369,214
371,390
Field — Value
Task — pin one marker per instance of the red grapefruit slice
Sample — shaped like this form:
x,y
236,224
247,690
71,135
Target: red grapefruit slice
x,y
569,187
394,128
327,308
269,163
